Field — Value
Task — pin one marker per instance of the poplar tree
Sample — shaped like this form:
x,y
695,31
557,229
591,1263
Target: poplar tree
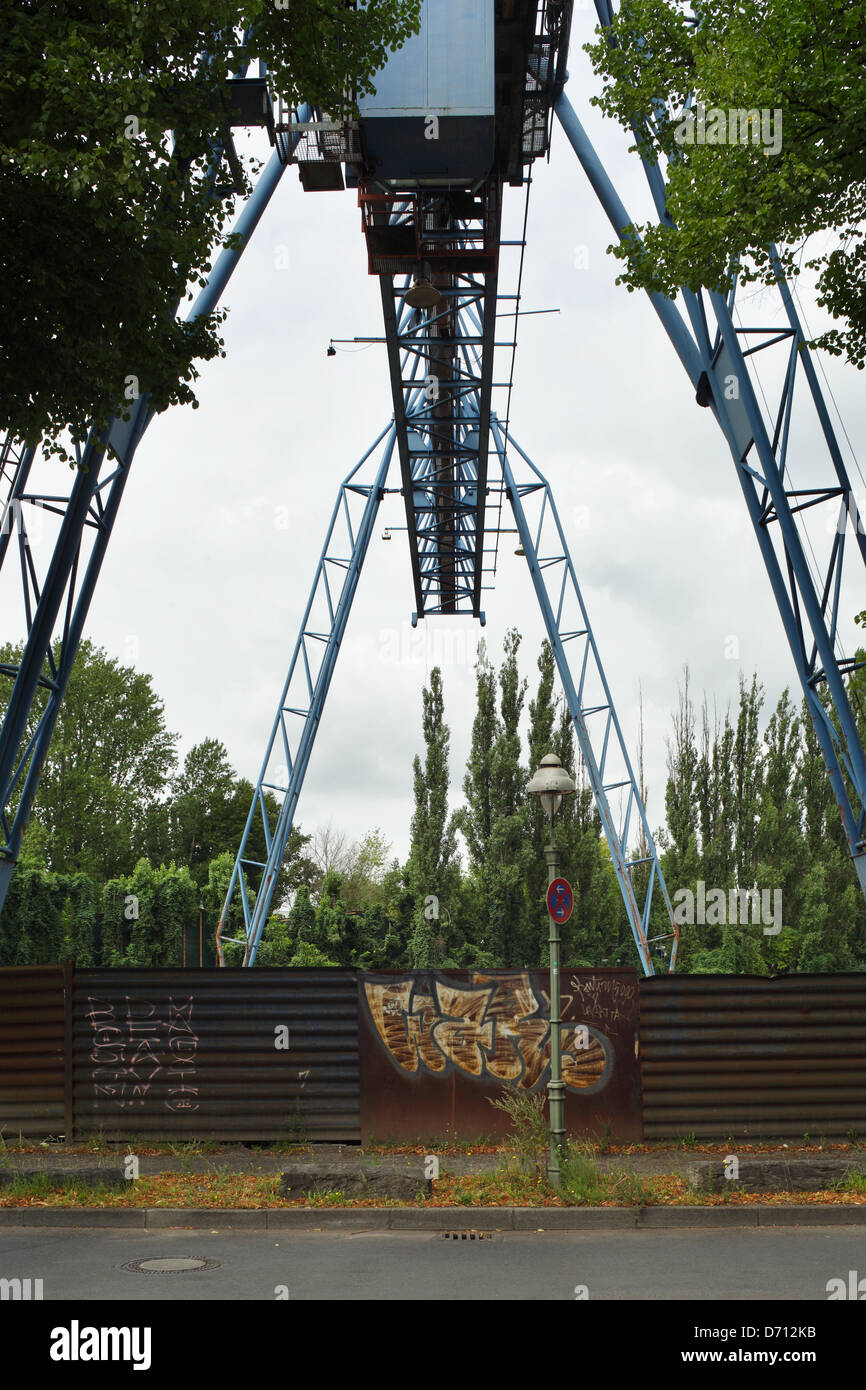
x,y
748,777
475,819
433,868
779,841
598,932
715,801
681,859
831,909
542,723
510,843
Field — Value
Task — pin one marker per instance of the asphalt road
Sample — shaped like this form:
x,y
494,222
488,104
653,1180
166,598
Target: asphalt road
x,y
748,1264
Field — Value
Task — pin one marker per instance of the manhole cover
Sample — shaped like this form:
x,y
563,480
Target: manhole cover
x,y
172,1264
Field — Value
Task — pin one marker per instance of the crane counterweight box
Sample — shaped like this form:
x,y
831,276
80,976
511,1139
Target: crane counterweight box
x,y
432,118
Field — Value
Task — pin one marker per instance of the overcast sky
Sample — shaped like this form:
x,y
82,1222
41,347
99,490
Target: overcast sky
x,y
204,583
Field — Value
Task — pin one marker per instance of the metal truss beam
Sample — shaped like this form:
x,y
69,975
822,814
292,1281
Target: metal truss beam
x,y
441,367
590,702
721,354
302,702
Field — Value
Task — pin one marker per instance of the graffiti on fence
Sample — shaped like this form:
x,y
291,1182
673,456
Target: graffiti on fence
x,y
607,998
136,1044
498,1027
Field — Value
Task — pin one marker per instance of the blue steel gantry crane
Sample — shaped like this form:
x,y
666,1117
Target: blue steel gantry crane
x,y
461,112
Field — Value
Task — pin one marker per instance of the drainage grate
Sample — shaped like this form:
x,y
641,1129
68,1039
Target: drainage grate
x,y
172,1264
467,1235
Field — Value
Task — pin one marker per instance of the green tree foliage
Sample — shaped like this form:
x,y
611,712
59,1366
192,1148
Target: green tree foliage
x,y
768,821
476,817
732,200
715,801
679,838
748,776
495,819
542,722
207,813
203,812
47,918
331,933
748,809
144,914
378,943
433,867
110,759
682,765
302,918
108,799
509,848
79,917
277,945
213,895
365,874
309,957
103,224
779,841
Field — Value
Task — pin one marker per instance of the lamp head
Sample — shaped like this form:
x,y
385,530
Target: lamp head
x,y
550,784
423,294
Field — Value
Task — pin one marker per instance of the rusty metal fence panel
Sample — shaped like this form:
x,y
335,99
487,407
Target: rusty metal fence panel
x,y
31,1051
438,1046
194,1053
217,1054
744,1056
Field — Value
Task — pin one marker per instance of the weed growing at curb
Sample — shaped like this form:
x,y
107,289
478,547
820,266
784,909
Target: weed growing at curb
x,y
528,1122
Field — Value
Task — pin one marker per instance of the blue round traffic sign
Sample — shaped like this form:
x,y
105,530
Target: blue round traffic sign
x,y
560,900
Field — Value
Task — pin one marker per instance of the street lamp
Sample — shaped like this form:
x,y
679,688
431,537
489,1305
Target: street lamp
x,y
550,784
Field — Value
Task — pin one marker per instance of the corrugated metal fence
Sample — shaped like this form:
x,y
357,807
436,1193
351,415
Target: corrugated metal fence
x,y
438,1046
274,1054
32,1070
745,1056
217,1053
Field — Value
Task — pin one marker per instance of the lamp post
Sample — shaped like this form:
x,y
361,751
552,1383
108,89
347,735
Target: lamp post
x,y
550,784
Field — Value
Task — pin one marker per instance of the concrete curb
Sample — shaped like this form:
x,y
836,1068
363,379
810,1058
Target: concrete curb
x,y
451,1219
653,1218
206,1218
525,1219
74,1216
805,1216
563,1218
329,1218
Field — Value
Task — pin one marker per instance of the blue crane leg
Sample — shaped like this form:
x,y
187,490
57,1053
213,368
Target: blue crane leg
x,y
303,698
589,699
709,347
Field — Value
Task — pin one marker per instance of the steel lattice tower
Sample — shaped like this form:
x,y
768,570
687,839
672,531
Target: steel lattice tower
x,y
430,176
